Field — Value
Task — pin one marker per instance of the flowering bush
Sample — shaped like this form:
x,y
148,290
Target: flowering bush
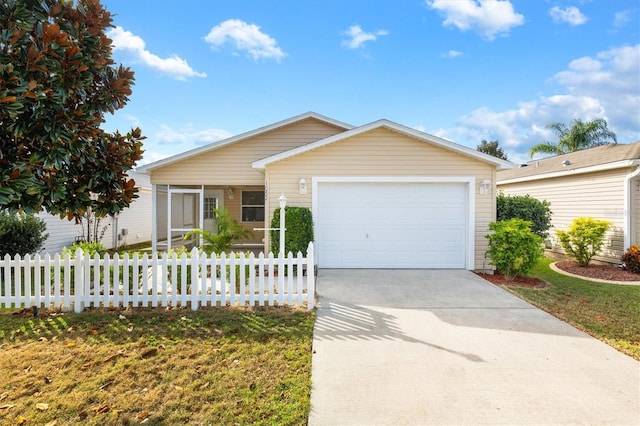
x,y
631,259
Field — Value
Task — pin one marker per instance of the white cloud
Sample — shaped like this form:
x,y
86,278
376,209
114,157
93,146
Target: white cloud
x,y
151,157
570,15
188,135
452,54
359,37
622,18
173,65
245,37
490,18
604,86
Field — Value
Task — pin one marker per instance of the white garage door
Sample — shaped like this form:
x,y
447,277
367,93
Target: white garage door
x,y
391,225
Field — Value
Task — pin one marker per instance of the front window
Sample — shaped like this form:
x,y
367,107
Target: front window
x,y
253,206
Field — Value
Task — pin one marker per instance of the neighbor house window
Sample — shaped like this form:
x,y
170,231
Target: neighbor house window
x,y
210,203
253,206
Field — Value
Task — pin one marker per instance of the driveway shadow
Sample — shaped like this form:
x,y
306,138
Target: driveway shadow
x,y
342,321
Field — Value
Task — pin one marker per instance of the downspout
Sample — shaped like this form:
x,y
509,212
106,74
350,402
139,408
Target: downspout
x,y
628,201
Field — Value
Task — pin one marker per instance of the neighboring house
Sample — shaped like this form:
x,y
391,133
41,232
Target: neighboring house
x,y
601,182
382,195
131,226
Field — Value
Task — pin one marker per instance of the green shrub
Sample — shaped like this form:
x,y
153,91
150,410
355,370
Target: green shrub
x,y
584,239
631,259
513,247
299,230
525,207
21,234
90,248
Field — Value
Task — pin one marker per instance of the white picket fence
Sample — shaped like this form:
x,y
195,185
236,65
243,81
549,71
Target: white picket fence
x,y
82,281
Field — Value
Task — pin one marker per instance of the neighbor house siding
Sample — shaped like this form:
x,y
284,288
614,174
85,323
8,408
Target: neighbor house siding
x,y
231,164
382,152
599,195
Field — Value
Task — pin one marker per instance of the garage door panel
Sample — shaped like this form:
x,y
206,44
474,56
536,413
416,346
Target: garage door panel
x,y
391,225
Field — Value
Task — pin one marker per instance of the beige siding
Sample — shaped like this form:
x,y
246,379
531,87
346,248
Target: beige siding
x,y
231,164
599,195
382,152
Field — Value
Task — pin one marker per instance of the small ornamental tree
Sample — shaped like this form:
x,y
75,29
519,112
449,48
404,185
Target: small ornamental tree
x,y
525,207
21,234
228,230
584,238
631,259
513,248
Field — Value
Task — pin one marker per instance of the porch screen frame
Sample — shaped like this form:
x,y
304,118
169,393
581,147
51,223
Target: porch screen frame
x,y
179,190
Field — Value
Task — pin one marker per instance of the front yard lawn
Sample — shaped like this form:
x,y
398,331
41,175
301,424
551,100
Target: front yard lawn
x,y
114,367
608,312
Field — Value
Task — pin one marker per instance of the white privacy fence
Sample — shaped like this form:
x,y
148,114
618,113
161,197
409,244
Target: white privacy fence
x,y
143,280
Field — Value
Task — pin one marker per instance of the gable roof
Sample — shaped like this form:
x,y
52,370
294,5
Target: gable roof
x,y
408,131
238,138
602,157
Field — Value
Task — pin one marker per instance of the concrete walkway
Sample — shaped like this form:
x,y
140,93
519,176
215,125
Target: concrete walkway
x,y
416,347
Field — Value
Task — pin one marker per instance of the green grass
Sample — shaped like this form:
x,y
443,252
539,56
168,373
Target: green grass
x,y
608,312
113,367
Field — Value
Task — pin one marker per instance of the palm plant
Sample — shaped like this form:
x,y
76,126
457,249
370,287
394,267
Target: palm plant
x,y
581,135
228,230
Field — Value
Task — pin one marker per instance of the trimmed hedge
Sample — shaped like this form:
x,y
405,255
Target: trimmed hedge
x,y
299,230
527,208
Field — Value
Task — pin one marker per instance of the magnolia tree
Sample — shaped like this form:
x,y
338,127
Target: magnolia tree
x,y
57,81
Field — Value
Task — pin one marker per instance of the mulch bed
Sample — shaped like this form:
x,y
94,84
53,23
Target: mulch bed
x,y
498,279
602,272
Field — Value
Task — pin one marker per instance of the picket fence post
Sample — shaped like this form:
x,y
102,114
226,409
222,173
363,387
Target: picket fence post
x,y
78,282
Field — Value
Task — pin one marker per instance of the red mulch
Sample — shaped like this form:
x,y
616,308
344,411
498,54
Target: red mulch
x,y
498,279
602,272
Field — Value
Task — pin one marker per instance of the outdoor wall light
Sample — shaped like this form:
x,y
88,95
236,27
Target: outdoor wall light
x,y
485,185
231,193
302,186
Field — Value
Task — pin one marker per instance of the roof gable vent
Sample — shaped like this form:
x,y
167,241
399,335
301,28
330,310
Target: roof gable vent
x,y
566,162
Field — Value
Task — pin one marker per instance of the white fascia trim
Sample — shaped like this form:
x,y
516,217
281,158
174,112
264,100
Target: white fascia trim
x,y
589,169
471,201
502,164
233,139
628,207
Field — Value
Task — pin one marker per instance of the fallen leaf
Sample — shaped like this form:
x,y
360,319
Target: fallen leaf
x,y
107,384
43,339
179,388
144,415
4,395
122,317
600,318
47,380
111,358
26,370
83,415
130,329
148,353
53,422
7,406
101,410
42,406
70,344
21,420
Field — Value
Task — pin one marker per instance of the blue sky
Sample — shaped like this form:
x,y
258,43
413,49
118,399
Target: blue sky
x,y
465,70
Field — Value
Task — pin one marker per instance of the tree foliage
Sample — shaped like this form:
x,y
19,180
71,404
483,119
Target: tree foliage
x,y
21,234
584,238
513,248
525,207
57,81
492,148
581,135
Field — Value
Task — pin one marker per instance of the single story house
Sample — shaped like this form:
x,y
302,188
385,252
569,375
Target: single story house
x,y
130,226
601,182
382,195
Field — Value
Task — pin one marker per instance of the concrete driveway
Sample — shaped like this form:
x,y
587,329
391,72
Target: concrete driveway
x,y
401,347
